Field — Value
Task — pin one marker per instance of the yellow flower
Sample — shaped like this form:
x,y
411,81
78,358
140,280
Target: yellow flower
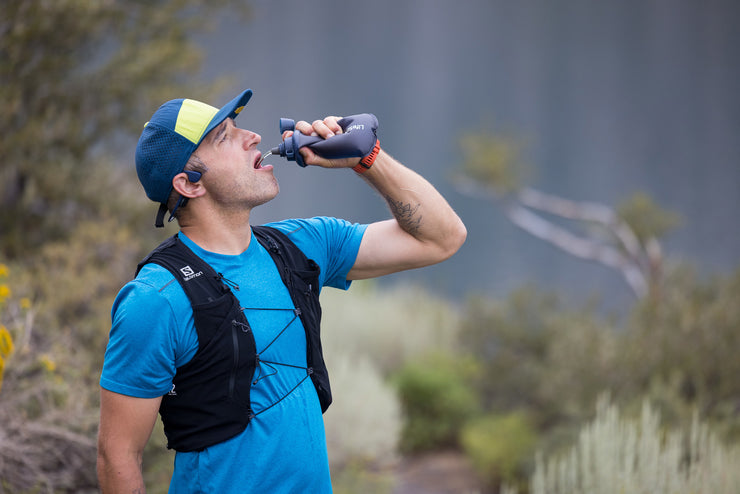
x,y
25,303
6,342
4,292
48,363
2,368
3,270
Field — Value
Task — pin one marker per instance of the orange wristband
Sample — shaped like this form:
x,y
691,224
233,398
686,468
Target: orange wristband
x,y
366,162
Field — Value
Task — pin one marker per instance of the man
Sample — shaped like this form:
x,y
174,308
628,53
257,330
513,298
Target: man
x,y
195,161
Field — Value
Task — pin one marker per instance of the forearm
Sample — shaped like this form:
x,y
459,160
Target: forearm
x,y
424,230
120,476
418,208
125,426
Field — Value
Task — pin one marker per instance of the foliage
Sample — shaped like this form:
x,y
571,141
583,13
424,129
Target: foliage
x,y
615,455
646,218
6,340
545,357
359,477
59,322
389,324
500,446
677,347
77,81
493,160
47,437
437,400
625,239
368,334
364,420
688,341
677,350
134,54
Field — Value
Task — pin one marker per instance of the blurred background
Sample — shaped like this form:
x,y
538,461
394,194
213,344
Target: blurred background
x,y
590,147
609,98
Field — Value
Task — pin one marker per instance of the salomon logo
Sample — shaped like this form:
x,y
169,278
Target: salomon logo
x,y
188,273
355,127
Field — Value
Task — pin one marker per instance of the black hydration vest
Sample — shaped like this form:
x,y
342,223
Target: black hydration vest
x,y
209,401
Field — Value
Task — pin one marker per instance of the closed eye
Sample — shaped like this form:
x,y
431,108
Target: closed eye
x,y
220,132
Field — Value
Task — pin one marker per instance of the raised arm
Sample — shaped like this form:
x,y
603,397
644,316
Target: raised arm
x,y
424,230
125,426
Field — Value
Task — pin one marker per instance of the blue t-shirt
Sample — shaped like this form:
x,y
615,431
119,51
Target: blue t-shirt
x,y
284,448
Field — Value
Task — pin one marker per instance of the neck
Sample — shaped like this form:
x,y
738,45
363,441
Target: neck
x,y
222,234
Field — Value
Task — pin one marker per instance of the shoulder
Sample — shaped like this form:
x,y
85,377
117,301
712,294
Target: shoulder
x,y
149,335
154,291
333,243
152,279
323,230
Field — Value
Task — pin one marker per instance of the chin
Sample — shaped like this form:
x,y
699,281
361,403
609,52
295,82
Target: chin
x,y
267,197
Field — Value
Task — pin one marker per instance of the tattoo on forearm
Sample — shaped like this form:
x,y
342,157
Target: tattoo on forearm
x,y
406,214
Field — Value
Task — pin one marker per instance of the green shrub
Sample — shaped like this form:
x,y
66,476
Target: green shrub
x,y
390,325
538,355
364,420
58,318
500,447
358,476
48,423
677,348
437,400
396,325
688,339
615,455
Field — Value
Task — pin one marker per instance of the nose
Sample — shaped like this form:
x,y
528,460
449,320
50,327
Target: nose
x,y
251,138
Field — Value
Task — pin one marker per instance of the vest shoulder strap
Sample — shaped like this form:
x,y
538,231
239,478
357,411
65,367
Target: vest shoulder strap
x,y
198,279
202,283
284,252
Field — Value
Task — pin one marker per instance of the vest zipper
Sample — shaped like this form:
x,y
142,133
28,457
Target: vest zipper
x,y
235,341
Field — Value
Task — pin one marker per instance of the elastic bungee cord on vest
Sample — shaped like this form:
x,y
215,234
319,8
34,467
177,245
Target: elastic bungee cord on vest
x,y
273,365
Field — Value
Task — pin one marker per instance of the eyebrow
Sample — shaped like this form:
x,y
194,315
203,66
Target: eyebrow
x,y
219,131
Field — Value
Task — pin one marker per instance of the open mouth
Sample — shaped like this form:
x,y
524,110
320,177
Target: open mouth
x,y
259,159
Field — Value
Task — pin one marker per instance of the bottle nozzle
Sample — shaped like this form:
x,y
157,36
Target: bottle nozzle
x,y
269,153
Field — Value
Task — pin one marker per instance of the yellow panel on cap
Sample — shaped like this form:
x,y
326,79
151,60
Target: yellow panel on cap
x,y
193,119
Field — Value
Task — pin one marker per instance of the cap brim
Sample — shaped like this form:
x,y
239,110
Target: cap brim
x,y
230,110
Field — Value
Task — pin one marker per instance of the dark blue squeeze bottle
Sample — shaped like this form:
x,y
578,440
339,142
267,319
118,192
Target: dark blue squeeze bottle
x,y
357,140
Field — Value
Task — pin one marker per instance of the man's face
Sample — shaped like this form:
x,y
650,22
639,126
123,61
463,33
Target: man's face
x,y
235,177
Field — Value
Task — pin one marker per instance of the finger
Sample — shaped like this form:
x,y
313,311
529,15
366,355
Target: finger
x,y
331,123
322,129
305,128
310,158
308,155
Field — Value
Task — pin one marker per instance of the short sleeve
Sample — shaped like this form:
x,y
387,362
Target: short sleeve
x,y
332,243
144,347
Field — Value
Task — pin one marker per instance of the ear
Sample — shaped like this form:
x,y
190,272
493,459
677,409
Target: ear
x,y
182,184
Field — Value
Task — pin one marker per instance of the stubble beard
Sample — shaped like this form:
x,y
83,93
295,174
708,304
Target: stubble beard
x,y
236,199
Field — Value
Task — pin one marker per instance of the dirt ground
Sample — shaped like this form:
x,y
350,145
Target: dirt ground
x,y
437,473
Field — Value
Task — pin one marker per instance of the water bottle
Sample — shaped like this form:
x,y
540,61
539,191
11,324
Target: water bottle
x,y
356,141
